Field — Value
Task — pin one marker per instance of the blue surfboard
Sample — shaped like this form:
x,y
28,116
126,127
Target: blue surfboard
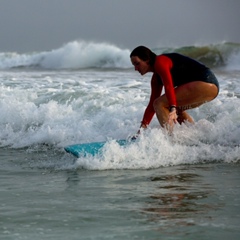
x,y
93,148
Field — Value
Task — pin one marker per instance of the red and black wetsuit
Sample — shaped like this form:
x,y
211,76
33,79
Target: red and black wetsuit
x,y
178,71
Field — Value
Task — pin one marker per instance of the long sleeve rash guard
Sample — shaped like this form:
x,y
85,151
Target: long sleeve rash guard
x,y
171,70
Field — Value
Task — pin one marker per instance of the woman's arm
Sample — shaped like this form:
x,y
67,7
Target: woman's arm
x,y
156,90
163,67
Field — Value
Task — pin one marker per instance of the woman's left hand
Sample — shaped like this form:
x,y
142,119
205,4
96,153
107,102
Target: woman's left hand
x,y
172,117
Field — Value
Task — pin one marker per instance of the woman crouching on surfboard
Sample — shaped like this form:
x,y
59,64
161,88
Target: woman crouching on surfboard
x,y
187,84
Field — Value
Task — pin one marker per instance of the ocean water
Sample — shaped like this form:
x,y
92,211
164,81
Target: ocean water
x,y
186,186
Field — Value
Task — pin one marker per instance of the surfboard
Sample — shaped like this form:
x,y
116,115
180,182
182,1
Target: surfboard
x,y
92,148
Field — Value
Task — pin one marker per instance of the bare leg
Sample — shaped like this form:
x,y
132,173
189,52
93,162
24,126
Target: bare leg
x,y
183,116
189,95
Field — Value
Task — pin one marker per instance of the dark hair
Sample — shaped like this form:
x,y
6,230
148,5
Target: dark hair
x,y
144,54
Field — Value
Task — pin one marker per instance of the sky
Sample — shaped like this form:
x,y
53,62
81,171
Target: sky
x,y
44,25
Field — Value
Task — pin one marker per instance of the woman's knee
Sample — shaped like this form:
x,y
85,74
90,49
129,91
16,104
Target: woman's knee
x,y
159,104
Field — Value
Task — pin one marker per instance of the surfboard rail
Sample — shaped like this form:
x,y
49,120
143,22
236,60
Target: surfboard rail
x,y
92,148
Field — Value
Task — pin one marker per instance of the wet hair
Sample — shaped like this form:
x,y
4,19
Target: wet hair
x,y
144,54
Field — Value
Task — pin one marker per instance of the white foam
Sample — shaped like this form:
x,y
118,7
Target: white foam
x,y
62,108
200,143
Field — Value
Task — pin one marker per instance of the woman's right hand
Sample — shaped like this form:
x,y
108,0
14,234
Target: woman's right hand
x,y
134,137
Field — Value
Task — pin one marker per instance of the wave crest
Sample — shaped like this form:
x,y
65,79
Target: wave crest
x,y
73,55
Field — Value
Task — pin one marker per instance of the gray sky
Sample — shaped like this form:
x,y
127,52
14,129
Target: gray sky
x,y
43,25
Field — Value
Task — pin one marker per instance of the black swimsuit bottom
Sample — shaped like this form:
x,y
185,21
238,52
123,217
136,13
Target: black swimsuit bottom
x,y
210,78
186,70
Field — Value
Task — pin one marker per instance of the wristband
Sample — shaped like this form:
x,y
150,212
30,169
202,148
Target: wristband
x,y
172,107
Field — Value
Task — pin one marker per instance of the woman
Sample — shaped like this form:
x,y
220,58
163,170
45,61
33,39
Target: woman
x,y
187,84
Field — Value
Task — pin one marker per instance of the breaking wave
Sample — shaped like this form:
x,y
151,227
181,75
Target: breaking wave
x,y
82,54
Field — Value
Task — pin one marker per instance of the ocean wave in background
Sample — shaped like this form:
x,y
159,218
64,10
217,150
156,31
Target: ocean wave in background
x,y
81,54
213,55
73,55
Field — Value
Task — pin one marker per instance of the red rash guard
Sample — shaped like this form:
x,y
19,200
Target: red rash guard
x,y
172,70
161,77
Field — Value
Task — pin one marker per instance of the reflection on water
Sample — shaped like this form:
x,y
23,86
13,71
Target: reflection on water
x,y
180,198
